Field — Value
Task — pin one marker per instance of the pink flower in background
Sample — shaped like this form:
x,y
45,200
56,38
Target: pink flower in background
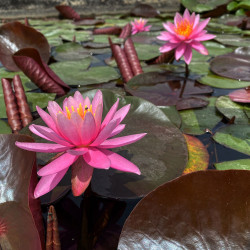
x,y
139,26
185,34
82,139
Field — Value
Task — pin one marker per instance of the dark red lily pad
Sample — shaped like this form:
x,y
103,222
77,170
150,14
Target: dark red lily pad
x,y
144,10
30,62
67,12
165,88
20,212
232,65
89,22
15,36
240,95
201,210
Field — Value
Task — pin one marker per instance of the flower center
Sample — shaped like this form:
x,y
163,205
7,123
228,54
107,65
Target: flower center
x,y
82,112
184,28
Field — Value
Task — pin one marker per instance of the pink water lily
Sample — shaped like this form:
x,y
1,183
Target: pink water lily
x,y
185,34
82,139
139,25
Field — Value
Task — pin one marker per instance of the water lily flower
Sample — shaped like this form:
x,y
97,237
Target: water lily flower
x,y
82,139
139,26
185,34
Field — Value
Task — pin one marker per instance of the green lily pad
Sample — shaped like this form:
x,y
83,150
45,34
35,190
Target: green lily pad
x,y
222,82
235,137
27,84
147,51
34,99
233,40
199,68
5,128
104,39
70,52
196,121
214,27
201,6
232,109
172,113
243,164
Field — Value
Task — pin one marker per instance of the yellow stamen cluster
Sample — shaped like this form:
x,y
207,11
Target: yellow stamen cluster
x,y
82,112
184,28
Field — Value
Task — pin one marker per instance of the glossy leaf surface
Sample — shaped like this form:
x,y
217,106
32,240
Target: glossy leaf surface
x,y
243,164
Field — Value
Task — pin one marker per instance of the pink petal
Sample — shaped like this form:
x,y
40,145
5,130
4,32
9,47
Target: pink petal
x,y
169,27
120,163
121,141
241,95
105,133
98,119
96,159
88,129
77,151
57,165
77,120
167,47
78,97
97,100
110,114
200,27
196,21
47,119
166,36
54,109
47,183
117,130
205,37
41,147
192,18
199,47
65,104
67,129
188,55
177,19
81,176
48,133
72,103
121,113
86,102
180,51
186,15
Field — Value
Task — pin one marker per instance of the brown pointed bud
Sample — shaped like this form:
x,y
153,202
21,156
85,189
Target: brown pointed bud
x,y
122,62
11,106
26,22
52,239
21,99
132,56
115,30
126,31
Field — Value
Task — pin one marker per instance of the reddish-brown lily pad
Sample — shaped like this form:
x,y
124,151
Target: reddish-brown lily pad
x,y
201,210
21,225
167,89
15,36
231,66
67,12
240,95
30,62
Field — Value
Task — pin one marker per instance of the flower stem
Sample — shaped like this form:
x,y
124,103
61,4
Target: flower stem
x,y
186,71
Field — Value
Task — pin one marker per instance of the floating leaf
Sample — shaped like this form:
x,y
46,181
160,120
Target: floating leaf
x,y
243,164
196,121
215,27
235,137
222,82
20,212
15,36
89,22
198,157
147,51
231,66
78,76
184,214
144,10
172,114
5,128
241,95
233,40
70,52
231,109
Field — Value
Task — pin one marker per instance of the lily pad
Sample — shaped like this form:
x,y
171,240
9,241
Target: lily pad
x,y
215,27
73,72
5,128
243,164
146,51
70,52
34,99
222,82
158,164
172,114
198,157
196,121
231,109
235,137
184,214
233,40
19,210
